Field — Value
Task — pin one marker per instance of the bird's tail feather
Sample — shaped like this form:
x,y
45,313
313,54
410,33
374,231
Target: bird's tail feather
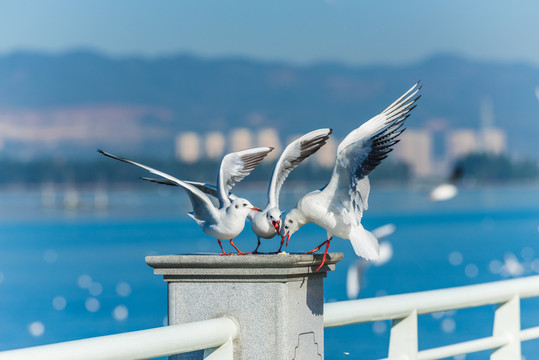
x,y
364,243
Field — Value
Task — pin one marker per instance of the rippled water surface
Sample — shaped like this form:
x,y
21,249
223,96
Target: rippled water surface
x,y
72,263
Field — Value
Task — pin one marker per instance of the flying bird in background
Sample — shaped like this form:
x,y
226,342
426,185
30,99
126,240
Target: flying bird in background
x,y
228,220
448,189
338,207
356,271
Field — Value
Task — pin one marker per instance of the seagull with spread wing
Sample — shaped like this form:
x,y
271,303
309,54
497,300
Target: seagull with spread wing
x,y
338,207
228,220
267,223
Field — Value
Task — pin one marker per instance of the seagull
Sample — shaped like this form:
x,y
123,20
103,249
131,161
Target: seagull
x,y
228,220
338,207
266,224
448,189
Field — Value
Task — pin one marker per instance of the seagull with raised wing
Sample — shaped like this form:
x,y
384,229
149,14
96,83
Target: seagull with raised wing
x,y
338,207
267,224
228,220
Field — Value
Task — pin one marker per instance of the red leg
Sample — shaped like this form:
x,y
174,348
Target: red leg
x,y
256,250
223,253
318,247
280,247
238,250
325,254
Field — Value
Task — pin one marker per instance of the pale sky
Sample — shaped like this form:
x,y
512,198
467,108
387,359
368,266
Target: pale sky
x,y
300,31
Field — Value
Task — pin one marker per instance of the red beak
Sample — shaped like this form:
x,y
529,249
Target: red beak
x,y
287,236
256,208
276,225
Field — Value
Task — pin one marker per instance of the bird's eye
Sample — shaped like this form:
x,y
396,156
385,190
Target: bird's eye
x,y
244,204
271,217
286,226
236,206
290,221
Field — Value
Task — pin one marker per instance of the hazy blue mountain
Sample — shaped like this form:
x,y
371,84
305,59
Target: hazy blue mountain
x,y
183,92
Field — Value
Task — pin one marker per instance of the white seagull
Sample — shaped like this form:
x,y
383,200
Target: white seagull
x,y
448,189
338,206
266,224
228,220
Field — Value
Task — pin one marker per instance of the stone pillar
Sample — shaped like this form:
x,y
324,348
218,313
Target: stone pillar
x,y
277,300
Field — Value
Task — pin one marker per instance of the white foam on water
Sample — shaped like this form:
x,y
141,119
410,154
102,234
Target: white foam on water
x,y
36,328
50,256
448,325
84,281
95,289
471,270
512,266
495,266
59,303
92,304
438,315
455,258
379,327
120,312
535,265
527,253
123,289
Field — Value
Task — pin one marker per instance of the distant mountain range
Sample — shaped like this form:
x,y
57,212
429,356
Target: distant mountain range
x,y
75,102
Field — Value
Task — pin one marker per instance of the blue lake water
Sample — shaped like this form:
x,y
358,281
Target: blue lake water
x,y
67,274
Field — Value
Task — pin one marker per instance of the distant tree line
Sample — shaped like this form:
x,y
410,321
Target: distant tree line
x,y
111,172
489,167
479,167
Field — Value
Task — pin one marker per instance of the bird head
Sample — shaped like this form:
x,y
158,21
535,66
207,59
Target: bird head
x,y
274,217
292,222
242,206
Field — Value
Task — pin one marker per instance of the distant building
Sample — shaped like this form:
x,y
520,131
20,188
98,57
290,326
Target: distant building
x,y
240,139
461,143
494,141
187,147
270,137
326,155
215,145
415,148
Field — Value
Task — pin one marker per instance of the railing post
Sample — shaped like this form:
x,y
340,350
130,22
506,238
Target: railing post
x,y
223,352
277,301
507,322
403,338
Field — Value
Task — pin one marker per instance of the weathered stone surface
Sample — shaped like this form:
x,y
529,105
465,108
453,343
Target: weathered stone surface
x,y
277,300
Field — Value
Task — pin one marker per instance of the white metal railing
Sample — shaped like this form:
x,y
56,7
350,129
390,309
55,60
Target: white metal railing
x,y
404,309
213,336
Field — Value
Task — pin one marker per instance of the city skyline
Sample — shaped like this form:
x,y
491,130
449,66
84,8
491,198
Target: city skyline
x,y
416,148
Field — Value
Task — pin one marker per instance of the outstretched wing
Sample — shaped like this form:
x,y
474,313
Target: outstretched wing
x,y
202,206
292,156
205,188
364,149
234,167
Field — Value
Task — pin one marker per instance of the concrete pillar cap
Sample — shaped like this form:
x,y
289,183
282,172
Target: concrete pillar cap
x,y
181,267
